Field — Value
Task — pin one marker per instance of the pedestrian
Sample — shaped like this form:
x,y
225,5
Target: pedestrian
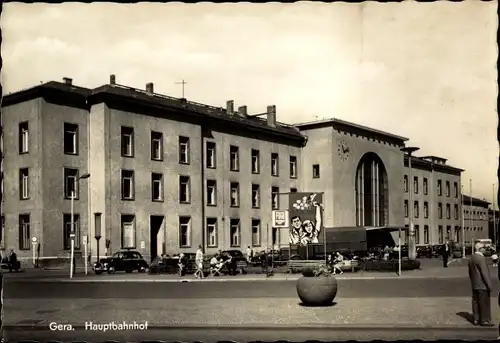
x,y
494,259
13,263
249,254
445,252
479,275
199,263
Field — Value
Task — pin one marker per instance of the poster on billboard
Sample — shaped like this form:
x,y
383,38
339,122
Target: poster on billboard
x,y
305,210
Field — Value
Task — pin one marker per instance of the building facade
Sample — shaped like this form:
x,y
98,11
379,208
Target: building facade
x,y
476,221
436,194
165,175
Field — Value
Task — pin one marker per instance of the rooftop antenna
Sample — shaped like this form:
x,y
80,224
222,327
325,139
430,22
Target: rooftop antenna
x,y
183,83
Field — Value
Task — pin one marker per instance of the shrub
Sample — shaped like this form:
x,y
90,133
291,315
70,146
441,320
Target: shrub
x,y
391,265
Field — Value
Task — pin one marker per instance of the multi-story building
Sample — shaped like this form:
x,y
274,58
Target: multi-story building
x,y
476,221
493,223
436,192
161,174
166,174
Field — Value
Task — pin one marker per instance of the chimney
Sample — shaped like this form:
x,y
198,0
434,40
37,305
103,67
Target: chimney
x,y
271,115
149,87
68,81
112,79
242,110
230,107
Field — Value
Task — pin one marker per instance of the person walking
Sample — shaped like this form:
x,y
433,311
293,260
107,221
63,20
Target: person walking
x,y
445,252
199,263
479,275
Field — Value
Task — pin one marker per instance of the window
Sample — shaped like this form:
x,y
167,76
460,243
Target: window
x,y
184,150
440,210
128,231
315,171
255,161
211,193
24,232
255,196
293,190
24,140
455,189
440,234
439,190
275,198
448,211
235,194
184,232
235,232
426,209
24,184
234,158
184,190
275,171
127,141
455,211
426,186
426,234
417,234
157,186
71,183
415,184
128,185
255,232
212,232
415,209
156,146
406,208
70,139
457,234
67,230
447,188
211,150
448,232
405,183
293,167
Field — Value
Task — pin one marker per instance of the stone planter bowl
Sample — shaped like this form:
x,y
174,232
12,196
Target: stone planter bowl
x,y
317,291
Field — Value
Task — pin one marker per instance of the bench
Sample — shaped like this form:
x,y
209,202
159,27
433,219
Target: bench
x,y
299,265
352,265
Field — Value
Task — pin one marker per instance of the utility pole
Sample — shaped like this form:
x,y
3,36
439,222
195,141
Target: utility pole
x,y
463,221
494,219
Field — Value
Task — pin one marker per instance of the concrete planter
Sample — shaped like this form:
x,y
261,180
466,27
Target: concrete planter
x,y
317,291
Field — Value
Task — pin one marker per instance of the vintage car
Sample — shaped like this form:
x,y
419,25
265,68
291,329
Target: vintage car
x,y
127,261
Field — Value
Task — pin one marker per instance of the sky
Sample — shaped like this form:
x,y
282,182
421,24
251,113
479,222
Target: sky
x,y
426,71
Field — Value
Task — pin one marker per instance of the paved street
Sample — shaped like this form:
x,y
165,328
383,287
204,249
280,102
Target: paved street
x,y
355,288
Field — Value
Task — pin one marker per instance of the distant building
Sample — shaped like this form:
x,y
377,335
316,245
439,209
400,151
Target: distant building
x,y
493,222
436,193
476,221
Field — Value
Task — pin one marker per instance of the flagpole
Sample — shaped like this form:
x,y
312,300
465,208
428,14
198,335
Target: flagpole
x,y
470,214
494,223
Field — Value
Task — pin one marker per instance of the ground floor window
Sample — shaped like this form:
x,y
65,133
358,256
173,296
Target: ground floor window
x,y
184,232
256,232
426,234
212,232
235,232
67,231
24,232
440,234
128,231
417,234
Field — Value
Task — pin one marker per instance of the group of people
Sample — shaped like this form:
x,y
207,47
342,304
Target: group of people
x,y
335,262
11,261
218,261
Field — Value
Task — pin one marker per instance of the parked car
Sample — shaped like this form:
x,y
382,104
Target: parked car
x,y
127,261
236,254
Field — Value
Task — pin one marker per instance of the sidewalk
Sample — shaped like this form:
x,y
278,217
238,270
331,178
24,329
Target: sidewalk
x,y
257,312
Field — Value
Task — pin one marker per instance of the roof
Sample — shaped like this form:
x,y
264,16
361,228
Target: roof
x,y
429,165
84,97
333,121
475,201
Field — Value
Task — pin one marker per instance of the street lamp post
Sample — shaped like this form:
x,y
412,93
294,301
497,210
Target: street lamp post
x,y
72,234
412,250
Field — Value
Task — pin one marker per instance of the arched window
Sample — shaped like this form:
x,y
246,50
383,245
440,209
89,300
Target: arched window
x,y
372,192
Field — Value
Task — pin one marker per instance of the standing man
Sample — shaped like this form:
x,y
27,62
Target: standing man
x,y
445,252
479,275
249,255
199,263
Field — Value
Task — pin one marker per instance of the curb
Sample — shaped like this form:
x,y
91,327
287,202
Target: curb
x,y
276,327
270,279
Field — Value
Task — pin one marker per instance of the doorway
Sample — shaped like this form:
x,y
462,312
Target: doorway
x,y
155,236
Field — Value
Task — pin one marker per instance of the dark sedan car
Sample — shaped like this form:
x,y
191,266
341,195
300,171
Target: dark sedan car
x,y
127,261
